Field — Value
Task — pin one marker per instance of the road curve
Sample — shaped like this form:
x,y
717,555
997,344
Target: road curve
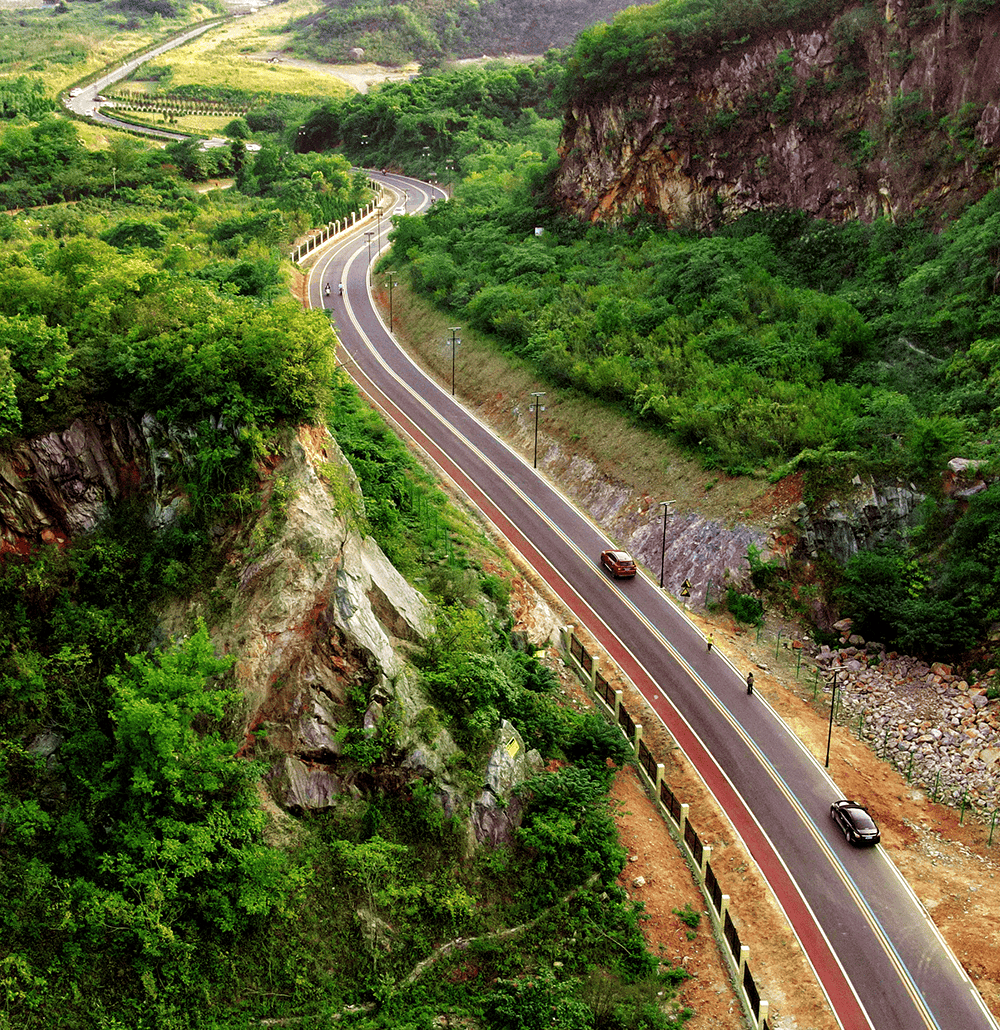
x,y
85,103
876,952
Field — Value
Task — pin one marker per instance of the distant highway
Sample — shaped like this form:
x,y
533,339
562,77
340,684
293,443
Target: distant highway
x,y
876,953
85,102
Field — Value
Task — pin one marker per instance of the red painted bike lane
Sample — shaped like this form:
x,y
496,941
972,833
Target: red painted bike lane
x,y
838,988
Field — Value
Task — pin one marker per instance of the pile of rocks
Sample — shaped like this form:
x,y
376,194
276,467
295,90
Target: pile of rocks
x,y
935,727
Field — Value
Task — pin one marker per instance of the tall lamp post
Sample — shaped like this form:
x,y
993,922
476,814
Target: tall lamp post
x,y
833,705
390,281
378,216
369,233
455,341
535,407
665,505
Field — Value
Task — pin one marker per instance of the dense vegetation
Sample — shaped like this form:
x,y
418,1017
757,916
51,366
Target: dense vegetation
x,y
138,886
647,40
778,344
437,123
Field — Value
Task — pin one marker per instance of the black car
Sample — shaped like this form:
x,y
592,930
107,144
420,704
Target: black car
x,y
855,822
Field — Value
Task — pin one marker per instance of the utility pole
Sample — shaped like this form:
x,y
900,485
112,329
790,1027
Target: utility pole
x,y
390,282
665,505
455,341
833,705
369,233
535,408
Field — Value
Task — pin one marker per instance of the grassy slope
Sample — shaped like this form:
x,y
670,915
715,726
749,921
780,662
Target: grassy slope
x,y
499,388
221,57
63,48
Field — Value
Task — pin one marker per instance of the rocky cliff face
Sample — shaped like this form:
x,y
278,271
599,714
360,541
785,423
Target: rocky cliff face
x,y
528,27
881,111
318,617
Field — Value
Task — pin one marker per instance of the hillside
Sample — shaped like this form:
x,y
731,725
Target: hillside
x,y
432,30
842,110
255,670
267,740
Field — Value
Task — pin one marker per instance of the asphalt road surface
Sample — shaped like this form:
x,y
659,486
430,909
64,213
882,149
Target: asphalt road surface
x,y
85,103
876,952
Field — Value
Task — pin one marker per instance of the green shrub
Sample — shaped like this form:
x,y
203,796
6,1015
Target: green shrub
x,y
744,607
762,574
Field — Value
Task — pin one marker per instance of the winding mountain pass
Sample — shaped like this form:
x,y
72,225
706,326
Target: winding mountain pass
x,y
877,954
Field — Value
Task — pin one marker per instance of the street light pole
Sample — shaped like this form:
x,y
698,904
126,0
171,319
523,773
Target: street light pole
x,y
665,505
536,394
378,216
390,282
833,705
369,233
454,343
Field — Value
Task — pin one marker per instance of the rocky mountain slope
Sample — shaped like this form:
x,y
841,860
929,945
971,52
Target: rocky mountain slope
x,y
320,621
881,110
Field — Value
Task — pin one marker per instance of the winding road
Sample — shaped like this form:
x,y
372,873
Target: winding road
x,y
85,102
876,952
878,956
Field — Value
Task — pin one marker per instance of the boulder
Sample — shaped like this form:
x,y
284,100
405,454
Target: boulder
x,y
496,813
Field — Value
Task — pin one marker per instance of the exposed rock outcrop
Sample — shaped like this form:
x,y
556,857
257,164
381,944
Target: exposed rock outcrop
x,y
496,813
875,112
320,621
870,514
56,486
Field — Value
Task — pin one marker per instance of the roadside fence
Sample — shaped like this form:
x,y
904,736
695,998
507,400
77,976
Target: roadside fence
x,y
677,817
321,235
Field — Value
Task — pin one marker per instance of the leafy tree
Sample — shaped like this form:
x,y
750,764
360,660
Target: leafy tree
x,y
185,842
465,675
237,129
536,1001
26,97
568,830
129,235
874,586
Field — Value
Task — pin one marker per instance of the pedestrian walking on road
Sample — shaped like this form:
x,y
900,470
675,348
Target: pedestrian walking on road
x,y
709,642
749,682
